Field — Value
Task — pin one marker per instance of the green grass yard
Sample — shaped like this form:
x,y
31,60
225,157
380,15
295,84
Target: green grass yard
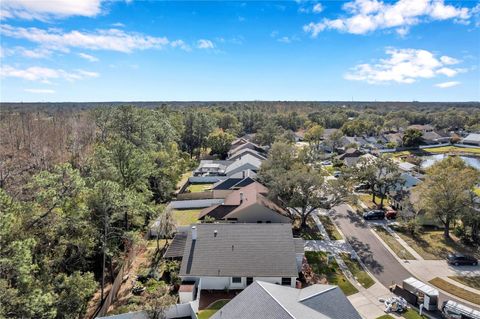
x,y
330,228
212,309
456,290
413,314
357,271
432,245
470,281
331,271
185,217
196,188
393,244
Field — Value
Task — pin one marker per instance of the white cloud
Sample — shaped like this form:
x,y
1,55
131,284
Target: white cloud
x,y
43,10
44,75
403,66
37,53
317,8
205,44
181,44
88,57
445,85
285,40
40,91
364,16
106,39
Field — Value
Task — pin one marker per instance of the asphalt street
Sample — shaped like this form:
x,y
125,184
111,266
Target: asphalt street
x,y
379,261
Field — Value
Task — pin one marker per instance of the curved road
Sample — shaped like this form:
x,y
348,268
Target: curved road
x,y
379,261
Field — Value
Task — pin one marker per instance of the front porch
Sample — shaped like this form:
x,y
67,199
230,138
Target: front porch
x,y
207,297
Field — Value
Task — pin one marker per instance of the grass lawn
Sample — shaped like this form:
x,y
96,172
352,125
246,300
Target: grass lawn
x,y
452,149
432,245
196,188
386,317
413,314
393,244
212,309
333,274
330,228
455,290
185,217
357,271
477,191
470,281
367,200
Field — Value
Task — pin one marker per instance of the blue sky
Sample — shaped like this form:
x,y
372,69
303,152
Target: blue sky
x,y
93,50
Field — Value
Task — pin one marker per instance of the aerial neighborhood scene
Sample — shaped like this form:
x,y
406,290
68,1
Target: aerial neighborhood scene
x,y
239,159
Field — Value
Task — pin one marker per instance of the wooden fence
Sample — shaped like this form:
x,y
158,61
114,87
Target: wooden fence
x,y
117,283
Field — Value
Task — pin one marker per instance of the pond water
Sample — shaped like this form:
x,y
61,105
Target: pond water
x,y
431,159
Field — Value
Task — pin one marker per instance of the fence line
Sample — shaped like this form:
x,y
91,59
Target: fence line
x,y
117,283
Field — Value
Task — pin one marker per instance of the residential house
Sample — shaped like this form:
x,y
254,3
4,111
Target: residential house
x,y
472,139
248,145
396,138
211,168
263,300
350,157
422,127
239,154
237,142
248,204
328,132
233,256
246,162
433,137
225,187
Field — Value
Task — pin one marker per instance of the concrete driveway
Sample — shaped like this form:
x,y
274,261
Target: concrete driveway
x,y
379,261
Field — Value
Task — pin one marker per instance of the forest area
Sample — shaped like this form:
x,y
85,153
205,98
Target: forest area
x,y
79,185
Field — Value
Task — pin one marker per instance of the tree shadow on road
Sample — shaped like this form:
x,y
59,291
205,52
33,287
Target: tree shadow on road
x,y
363,251
352,217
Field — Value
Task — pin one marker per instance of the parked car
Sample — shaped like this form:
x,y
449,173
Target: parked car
x,y
391,214
460,259
361,187
374,214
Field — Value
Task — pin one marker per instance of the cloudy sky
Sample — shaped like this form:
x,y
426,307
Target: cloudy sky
x,y
94,50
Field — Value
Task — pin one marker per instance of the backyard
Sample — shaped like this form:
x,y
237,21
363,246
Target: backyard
x,y
357,271
432,245
409,314
212,309
196,188
393,244
330,270
440,150
185,217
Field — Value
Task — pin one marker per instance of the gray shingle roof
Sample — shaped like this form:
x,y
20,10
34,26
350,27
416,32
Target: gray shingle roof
x,y
268,301
240,250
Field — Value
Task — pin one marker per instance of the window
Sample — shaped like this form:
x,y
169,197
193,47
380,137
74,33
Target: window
x,y
249,280
268,222
286,281
259,221
236,280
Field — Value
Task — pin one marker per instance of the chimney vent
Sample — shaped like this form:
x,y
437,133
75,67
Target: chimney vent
x,y
215,232
194,232
241,197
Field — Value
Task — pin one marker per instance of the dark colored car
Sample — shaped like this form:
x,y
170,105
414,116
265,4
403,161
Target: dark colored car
x,y
391,214
460,259
374,214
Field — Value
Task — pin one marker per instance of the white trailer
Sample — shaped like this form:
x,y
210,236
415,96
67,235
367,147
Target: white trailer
x,y
454,310
426,295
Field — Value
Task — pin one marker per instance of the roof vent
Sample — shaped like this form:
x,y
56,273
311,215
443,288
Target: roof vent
x,y
232,247
241,197
194,232
215,232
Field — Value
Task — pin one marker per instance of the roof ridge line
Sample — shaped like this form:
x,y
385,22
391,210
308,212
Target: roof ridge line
x,y
318,293
278,302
